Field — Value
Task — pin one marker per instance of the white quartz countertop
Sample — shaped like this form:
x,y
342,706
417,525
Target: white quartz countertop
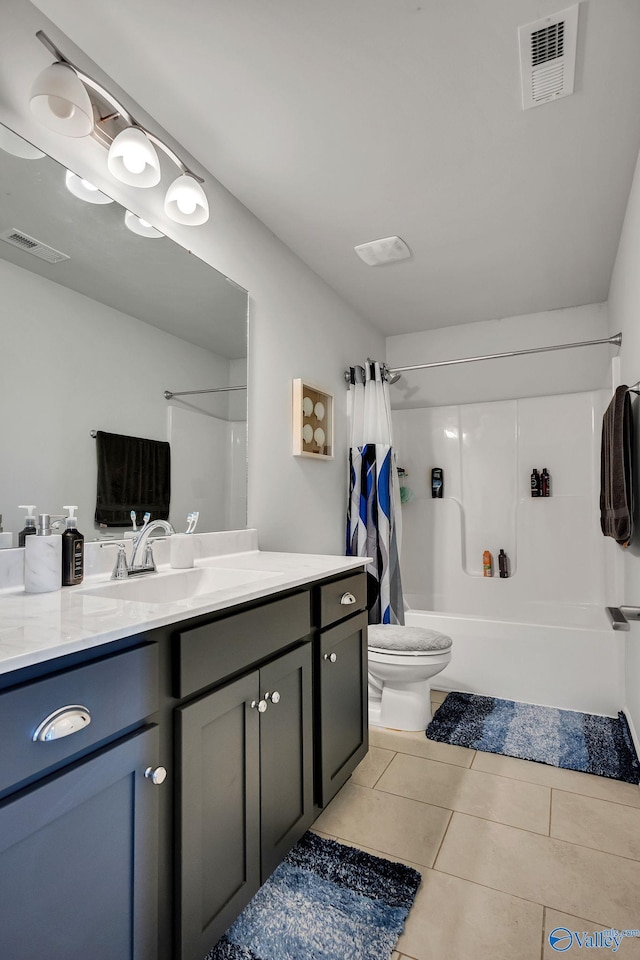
x,y
39,627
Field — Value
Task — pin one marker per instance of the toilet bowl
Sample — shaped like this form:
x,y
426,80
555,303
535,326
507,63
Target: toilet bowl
x,y
402,661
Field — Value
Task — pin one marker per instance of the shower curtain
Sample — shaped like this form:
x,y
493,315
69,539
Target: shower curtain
x,y
374,521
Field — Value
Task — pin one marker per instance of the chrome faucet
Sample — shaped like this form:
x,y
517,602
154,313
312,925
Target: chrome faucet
x,y
148,563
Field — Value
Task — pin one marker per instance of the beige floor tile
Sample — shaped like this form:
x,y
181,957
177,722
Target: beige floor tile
x,y
564,876
602,788
395,826
452,918
438,696
596,823
369,771
629,948
520,804
417,745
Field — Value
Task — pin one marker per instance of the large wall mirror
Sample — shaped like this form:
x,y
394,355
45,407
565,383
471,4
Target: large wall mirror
x,y
92,342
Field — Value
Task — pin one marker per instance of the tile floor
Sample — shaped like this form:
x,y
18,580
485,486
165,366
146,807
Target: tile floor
x,y
508,849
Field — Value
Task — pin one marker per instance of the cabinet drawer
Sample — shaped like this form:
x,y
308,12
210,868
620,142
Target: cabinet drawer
x,y
208,654
335,603
118,692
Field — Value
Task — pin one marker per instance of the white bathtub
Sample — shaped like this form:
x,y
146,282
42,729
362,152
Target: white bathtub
x,y
575,661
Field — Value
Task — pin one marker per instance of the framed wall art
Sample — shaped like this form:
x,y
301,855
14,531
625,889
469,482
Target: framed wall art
x,y
312,421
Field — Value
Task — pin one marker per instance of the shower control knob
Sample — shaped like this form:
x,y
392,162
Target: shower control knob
x,y
259,705
157,775
331,657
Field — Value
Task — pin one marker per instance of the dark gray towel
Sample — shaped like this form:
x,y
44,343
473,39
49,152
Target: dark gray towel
x,y
616,470
133,474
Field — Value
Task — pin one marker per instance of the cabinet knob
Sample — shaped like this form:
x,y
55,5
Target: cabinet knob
x,y
347,598
274,697
259,705
63,722
157,775
331,657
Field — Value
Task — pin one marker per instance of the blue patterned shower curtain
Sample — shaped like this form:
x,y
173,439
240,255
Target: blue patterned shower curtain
x,y
373,512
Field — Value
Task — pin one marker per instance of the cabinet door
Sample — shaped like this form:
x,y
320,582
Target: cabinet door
x,y
219,813
78,860
286,754
343,704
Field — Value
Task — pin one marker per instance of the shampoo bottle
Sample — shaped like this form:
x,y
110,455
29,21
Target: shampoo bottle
x,y
535,483
29,528
545,483
43,558
503,564
437,483
72,550
487,564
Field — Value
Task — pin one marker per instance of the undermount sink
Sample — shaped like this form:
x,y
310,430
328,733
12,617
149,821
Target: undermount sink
x,y
174,586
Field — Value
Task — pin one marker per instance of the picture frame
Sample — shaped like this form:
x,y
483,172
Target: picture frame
x,y
312,421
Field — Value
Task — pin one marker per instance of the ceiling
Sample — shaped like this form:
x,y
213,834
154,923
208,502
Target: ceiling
x,y
342,121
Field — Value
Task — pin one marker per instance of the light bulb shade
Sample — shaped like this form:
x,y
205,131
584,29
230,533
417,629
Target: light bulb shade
x,y
133,160
60,101
186,202
84,190
11,143
139,226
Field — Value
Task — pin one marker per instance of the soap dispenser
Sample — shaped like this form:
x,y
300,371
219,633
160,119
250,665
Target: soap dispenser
x,y
72,550
43,558
29,522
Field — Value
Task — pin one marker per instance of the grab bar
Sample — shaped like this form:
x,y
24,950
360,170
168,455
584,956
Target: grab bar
x,y
620,616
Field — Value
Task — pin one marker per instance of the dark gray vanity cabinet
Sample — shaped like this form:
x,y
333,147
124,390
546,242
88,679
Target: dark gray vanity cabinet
x,y
78,844
342,733
245,774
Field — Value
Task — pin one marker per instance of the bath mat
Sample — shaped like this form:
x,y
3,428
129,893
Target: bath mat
x,y
560,738
324,902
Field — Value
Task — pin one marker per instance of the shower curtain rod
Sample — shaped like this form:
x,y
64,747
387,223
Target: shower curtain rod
x,y
168,394
615,340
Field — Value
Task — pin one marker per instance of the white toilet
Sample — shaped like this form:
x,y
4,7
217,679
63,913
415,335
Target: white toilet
x,y
402,661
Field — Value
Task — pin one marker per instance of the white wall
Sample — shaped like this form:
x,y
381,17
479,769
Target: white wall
x,y
624,306
298,326
551,373
67,370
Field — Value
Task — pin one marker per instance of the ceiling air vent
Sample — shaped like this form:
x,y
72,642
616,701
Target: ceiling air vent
x,y
30,245
548,57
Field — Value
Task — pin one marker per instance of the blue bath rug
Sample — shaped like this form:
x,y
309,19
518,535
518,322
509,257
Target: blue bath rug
x,y
560,738
324,902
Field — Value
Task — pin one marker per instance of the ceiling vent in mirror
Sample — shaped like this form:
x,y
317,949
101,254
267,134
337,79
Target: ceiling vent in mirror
x,y
548,57
30,245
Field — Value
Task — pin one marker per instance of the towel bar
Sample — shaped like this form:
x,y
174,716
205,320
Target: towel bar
x,y
620,616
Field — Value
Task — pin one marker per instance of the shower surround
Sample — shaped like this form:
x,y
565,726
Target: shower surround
x,y
541,635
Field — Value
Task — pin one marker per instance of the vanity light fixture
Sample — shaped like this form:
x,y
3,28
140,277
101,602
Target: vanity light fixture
x,y
67,100
59,100
140,226
186,201
133,160
84,190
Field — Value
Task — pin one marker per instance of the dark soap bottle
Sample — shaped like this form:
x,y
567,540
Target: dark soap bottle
x,y
503,564
29,523
535,483
545,483
72,551
437,483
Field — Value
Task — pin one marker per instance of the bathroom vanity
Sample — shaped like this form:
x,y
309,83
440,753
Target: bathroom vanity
x,y
207,736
